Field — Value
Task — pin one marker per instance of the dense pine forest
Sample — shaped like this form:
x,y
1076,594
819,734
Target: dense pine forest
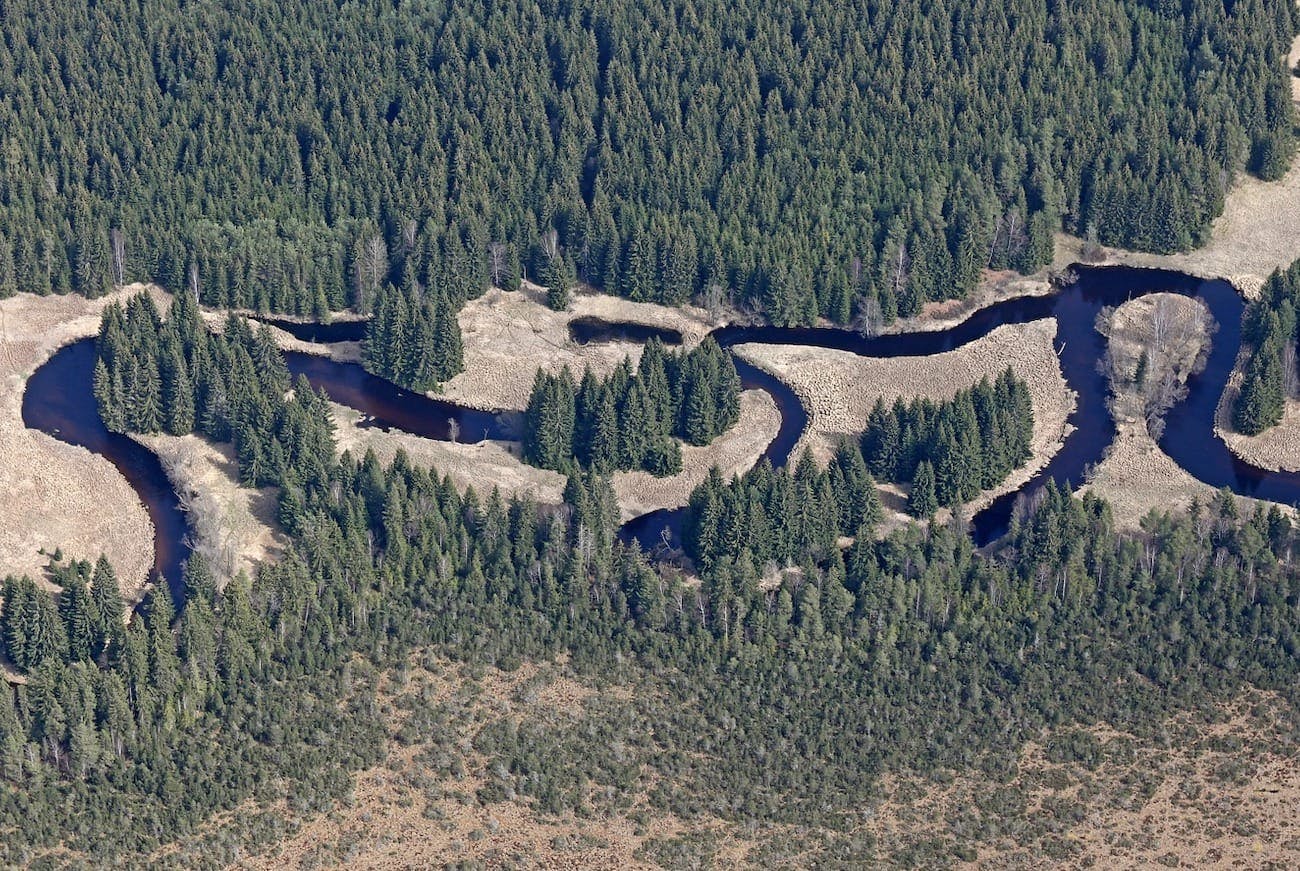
x,y
630,420
413,339
811,158
949,451
1271,374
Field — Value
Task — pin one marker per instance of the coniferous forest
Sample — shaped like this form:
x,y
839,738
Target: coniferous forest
x,y
820,158
949,451
1271,370
908,652
629,420
799,160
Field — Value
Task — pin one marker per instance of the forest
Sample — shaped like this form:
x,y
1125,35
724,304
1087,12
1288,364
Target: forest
x,y
630,420
907,652
413,339
1271,376
847,160
951,450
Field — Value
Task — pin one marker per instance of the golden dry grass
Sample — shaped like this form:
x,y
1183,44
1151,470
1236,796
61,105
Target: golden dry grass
x,y
838,388
734,452
55,494
234,527
481,465
508,335
1135,476
1276,448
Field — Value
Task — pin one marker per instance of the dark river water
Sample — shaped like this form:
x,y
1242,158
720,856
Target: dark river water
x,y
59,400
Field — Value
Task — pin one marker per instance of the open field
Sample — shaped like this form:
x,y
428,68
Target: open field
x,y
734,452
233,526
487,464
509,334
55,494
838,388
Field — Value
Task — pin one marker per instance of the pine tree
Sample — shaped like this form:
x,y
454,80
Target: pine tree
x,y
922,501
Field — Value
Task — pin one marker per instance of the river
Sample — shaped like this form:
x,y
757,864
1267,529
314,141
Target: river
x,y
59,399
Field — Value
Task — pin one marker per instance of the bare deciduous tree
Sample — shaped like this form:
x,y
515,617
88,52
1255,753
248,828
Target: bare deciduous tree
x,y
453,429
713,298
118,241
869,319
900,269
497,263
371,268
1290,379
551,244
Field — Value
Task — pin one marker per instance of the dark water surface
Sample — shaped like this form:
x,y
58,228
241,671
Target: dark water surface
x,y
59,399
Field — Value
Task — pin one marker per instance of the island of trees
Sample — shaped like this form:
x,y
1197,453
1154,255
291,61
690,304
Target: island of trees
x,y
1271,375
951,450
631,420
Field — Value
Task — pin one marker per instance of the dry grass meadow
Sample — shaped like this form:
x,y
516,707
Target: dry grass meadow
x,y
508,335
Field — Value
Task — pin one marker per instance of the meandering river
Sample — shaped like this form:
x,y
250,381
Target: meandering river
x,y
59,400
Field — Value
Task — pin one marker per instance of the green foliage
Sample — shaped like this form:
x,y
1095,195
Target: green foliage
x,y
413,339
628,420
951,450
1270,325
228,387
811,159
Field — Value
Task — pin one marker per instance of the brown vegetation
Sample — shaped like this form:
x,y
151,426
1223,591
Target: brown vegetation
x,y
838,388
1135,476
481,465
55,494
508,335
1211,788
232,526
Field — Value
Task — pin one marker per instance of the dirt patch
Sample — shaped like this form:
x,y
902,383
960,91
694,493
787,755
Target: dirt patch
x,y
234,527
838,388
55,494
508,335
734,452
481,465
